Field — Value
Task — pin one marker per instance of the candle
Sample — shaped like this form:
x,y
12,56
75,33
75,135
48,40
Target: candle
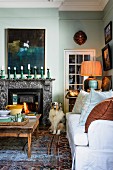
x,y
41,67
2,68
35,67
28,66
8,68
21,67
14,68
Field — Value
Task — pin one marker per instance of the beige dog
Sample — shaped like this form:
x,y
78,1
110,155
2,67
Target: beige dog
x,y
56,117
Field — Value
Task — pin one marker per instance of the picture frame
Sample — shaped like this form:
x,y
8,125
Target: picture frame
x,y
25,47
108,32
106,58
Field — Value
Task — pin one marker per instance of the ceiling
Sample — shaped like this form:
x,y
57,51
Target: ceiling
x,y
62,5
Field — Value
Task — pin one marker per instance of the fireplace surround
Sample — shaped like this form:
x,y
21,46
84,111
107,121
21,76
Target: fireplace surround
x,y
41,89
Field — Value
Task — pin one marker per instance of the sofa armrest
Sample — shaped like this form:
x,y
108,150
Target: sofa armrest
x,y
100,134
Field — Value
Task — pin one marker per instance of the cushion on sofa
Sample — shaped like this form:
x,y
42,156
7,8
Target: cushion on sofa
x,y
103,111
93,99
81,99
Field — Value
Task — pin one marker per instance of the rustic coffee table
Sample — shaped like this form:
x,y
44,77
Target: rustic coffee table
x,y
21,131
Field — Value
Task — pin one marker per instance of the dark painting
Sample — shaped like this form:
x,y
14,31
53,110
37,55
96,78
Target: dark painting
x,y
25,46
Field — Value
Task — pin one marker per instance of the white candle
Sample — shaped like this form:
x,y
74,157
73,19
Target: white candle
x,y
14,68
41,67
35,67
28,66
2,67
21,67
8,68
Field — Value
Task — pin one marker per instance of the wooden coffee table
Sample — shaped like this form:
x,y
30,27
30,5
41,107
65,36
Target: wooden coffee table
x,y
21,131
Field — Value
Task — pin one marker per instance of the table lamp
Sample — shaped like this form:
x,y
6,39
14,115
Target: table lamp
x,y
91,69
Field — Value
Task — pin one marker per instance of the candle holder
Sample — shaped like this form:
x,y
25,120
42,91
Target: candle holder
x,y
15,74
29,76
9,76
48,73
35,72
21,74
42,72
2,74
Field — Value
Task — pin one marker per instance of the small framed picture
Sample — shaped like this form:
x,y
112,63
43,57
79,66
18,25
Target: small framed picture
x,y
108,32
106,57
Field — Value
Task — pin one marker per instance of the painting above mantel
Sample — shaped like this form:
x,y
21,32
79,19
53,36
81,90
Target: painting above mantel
x,y
25,46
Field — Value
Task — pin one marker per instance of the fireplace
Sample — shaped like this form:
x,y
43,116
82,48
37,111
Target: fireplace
x,y
32,97
31,91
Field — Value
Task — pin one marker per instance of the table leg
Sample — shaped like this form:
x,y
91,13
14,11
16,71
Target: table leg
x,y
29,145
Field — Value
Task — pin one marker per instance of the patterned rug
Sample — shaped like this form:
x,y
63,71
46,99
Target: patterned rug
x,y
49,152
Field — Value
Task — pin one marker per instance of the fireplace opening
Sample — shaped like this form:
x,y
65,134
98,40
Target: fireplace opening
x,y
33,98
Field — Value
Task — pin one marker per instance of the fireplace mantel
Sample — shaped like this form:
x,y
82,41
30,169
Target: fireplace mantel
x,y
44,84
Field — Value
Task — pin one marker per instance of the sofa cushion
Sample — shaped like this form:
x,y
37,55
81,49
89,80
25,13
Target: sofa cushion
x,y
103,111
93,99
76,132
81,99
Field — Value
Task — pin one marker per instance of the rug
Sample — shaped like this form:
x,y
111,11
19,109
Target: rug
x,y
49,152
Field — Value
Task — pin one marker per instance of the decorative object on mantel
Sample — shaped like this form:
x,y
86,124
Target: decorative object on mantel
x,y
48,73
91,69
21,72
29,76
35,72
42,72
15,73
9,77
2,73
80,37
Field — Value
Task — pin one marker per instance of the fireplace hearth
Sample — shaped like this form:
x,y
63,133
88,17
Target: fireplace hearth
x,y
31,91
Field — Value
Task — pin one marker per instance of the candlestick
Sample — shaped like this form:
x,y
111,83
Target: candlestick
x,y
35,72
21,74
42,72
14,72
9,73
28,66
48,73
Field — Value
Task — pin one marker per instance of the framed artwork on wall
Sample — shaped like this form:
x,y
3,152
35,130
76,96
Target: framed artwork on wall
x,y
108,32
106,58
24,47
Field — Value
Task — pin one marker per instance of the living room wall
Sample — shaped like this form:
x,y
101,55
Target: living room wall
x,y
60,29
71,22
35,19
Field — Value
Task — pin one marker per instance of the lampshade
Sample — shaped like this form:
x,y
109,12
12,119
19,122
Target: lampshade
x,y
91,68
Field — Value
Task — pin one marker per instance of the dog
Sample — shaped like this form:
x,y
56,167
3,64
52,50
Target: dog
x,y
56,118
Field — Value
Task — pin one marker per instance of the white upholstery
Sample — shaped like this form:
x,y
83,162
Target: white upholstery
x,y
92,151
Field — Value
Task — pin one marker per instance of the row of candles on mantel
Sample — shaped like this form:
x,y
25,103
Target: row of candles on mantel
x,y
29,76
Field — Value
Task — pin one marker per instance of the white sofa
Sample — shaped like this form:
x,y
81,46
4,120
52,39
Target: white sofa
x,y
92,150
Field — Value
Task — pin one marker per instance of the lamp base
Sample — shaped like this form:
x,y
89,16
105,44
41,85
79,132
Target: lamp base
x,y
93,84
90,82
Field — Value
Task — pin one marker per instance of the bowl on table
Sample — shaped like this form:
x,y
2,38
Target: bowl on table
x,y
4,112
14,109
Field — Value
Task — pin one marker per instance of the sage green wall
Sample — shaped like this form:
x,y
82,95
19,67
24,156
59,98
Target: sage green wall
x,y
71,22
35,18
108,16
60,29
